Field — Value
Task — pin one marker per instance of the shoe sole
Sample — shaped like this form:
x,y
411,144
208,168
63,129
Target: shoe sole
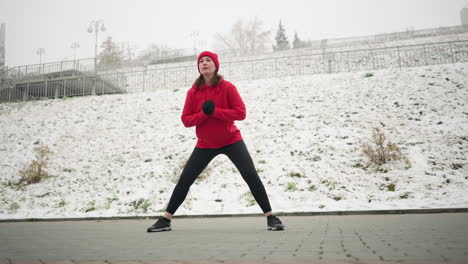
x,y
159,230
275,229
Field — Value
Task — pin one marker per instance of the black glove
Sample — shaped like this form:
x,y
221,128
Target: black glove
x,y
208,107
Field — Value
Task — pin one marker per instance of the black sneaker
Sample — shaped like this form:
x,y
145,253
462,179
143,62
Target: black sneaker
x,y
274,223
162,224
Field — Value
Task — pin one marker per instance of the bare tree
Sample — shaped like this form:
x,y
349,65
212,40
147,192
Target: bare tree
x,y
239,33
245,38
256,37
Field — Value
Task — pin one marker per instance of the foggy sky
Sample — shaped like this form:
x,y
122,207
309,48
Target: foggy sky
x,y
55,24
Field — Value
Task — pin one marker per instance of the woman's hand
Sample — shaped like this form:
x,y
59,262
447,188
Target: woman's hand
x,y
208,107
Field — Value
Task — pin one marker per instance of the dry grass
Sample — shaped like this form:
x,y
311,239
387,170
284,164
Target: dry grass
x,y
37,170
379,151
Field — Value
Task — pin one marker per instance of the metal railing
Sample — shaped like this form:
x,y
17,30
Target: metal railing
x,y
303,64
287,64
35,70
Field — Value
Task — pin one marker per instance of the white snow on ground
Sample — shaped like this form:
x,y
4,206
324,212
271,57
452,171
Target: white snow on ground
x,y
120,155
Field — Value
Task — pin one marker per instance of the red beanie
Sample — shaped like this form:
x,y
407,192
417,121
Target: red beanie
x,y
212,55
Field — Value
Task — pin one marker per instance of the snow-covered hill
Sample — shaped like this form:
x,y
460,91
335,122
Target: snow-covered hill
x,y
119,155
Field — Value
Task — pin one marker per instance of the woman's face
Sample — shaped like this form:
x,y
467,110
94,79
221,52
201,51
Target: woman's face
x,y
206,65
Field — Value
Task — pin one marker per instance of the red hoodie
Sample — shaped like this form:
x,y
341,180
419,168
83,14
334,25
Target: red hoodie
x,y
218,129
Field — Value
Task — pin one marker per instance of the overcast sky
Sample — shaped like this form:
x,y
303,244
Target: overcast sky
x,y
55,24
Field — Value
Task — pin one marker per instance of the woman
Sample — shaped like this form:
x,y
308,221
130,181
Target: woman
x,y
212,105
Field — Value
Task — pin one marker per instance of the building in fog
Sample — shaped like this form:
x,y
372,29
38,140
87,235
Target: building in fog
x,y
464,16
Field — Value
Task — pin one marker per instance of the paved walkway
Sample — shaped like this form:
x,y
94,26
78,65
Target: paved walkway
x,y
418,238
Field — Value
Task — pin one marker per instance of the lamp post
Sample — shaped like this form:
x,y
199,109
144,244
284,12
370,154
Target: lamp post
x,y
39,52
194,36
95,27
74,46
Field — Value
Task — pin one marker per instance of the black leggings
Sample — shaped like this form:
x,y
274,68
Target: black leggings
x,y
238,154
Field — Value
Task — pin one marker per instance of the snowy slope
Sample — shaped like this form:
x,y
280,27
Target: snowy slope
x,y
119,155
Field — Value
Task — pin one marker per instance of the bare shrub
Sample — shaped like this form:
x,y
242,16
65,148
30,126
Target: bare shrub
x,y
379,151
36,171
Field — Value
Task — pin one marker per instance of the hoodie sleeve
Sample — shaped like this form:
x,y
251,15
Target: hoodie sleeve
x,y
237,108
189,116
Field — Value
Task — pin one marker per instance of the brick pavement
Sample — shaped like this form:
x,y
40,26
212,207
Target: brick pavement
x,y
7,261
422,238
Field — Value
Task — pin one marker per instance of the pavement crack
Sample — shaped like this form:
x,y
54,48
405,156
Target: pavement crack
x,y
343,248
252,248
301,243
444,258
